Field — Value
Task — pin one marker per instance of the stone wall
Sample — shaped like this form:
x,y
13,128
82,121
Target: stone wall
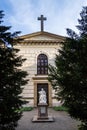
x,y
31,52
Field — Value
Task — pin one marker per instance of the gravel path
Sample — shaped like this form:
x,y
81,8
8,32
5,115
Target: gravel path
x,y
62,121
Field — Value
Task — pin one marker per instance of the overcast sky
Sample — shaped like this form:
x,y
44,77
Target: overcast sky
x,y
61,14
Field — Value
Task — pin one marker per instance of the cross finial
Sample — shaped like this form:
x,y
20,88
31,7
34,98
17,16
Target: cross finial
x,y
42,18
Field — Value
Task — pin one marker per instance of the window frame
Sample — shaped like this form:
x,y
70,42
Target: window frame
x,y
42,64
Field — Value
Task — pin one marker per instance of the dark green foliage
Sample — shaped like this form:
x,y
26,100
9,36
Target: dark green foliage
x,y
11,79
69,76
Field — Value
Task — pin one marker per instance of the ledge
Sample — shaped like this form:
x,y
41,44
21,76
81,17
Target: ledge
x,y
40,77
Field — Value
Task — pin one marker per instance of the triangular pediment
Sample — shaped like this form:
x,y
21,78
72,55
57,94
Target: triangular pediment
x,y
43,36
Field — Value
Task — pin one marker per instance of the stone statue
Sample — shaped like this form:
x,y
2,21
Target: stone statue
x,y
42,96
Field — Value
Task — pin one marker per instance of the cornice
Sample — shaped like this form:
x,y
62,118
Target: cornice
x,y
40,42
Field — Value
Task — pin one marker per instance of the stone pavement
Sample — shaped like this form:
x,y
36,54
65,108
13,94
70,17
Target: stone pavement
x,y
62,121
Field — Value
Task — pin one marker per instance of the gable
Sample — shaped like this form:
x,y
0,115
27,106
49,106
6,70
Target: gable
x,y
42,36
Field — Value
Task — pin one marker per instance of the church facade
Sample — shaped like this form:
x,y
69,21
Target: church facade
x,y
39,49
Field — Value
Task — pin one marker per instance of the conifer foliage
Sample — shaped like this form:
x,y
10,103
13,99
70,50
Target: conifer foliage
x,y
12,78
69,75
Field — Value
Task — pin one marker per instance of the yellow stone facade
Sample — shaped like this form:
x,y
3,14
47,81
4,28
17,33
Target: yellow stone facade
x,y
31,46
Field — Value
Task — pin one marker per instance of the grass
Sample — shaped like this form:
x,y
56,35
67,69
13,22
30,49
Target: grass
x,y
60,108
56,108
26,109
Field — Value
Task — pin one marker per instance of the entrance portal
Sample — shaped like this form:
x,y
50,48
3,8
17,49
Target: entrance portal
x,y
45,87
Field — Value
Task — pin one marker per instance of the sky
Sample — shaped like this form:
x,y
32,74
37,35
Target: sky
x,y
22,15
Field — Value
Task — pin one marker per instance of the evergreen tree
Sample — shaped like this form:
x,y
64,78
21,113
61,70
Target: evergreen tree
x,y
12,78
69,75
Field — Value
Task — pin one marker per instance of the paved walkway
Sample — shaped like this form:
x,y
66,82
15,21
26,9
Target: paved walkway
x,y
62,121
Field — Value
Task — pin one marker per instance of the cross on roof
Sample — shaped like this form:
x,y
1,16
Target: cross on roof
x,y
42,19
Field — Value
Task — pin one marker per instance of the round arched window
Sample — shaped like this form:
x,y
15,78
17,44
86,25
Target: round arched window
x,y
42,64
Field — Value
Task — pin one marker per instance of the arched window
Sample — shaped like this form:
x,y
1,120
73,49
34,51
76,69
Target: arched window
x,y
42,64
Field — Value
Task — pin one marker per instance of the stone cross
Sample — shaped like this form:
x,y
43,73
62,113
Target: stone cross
x,y
42,19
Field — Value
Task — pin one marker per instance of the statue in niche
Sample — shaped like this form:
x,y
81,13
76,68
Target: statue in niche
x,y
42,96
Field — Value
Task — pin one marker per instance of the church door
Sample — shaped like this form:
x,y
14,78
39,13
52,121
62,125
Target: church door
x,y
45,87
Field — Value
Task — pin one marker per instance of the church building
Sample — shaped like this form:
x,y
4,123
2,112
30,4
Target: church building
x,y
39,49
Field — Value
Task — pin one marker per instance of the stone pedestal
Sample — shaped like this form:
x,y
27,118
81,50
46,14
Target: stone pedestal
x,y
43,114
42,111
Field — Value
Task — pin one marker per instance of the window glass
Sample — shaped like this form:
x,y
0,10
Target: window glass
x,y
42,64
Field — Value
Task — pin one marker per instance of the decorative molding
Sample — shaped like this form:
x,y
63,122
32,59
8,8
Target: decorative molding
x,y
40,77
40,42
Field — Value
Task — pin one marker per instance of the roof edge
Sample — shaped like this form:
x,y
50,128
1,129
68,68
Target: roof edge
x,y
42,33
